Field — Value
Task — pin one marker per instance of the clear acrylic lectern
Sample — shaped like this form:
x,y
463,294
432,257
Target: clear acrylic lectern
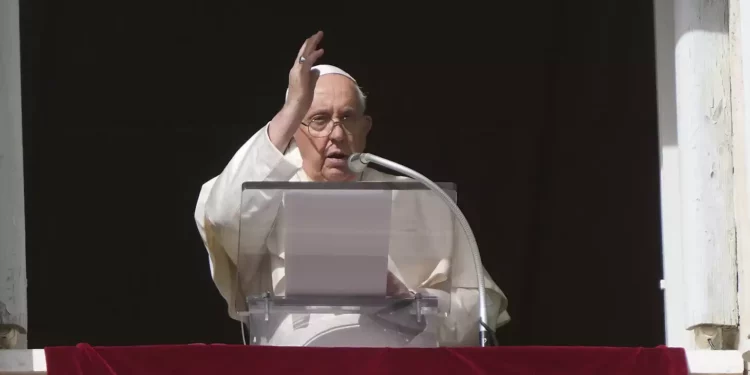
x,y
358,264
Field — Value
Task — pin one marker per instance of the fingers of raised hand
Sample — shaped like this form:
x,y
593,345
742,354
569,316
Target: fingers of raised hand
x,y
310,48
314,42
313,57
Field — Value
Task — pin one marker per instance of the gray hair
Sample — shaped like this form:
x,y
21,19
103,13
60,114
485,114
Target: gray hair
x,y
361,97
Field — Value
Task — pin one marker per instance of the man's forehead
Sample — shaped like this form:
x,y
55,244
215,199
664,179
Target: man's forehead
x,y
337,87
335,83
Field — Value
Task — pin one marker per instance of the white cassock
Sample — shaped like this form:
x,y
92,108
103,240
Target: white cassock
x,y
217,215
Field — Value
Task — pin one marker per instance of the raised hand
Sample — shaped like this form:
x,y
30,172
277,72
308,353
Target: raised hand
x,y
301,88
301,78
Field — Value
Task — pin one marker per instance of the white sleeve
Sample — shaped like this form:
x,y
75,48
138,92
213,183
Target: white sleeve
x,y
464,310
463,319
448,260
217,213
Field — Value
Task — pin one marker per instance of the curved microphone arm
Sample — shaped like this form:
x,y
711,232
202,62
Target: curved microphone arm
x,y
358,162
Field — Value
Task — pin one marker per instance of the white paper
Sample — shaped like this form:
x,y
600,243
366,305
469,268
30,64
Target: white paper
x,y
336,241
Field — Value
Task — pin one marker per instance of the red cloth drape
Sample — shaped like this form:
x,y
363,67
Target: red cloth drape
x,y
230,359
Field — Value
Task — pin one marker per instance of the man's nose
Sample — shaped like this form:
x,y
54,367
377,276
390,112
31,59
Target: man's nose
x,y
337,133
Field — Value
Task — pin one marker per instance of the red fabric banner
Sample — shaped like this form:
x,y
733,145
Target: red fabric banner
x,y
202,359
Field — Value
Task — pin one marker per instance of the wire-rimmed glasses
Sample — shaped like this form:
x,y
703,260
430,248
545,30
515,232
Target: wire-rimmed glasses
x,y
322,126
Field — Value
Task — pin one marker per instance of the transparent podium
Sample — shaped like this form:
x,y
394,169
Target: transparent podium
x,y
358,264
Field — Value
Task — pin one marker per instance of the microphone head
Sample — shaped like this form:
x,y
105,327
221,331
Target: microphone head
x,y
355,163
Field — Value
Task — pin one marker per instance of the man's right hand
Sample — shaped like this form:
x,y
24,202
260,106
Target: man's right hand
x,y
302,78
302,81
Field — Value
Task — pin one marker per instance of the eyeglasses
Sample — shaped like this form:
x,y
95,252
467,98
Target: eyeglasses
x,y
322,126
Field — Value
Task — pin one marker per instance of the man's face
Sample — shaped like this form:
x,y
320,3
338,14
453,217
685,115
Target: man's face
x,y
336,127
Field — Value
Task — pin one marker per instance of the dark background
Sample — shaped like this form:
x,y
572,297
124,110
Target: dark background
x,y
543,113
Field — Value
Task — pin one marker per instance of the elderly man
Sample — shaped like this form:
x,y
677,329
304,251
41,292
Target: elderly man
x,y
322,122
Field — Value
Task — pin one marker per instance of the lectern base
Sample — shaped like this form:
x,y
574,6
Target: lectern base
x,y
333,321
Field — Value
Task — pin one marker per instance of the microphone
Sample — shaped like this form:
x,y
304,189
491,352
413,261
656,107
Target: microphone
x,y
357,163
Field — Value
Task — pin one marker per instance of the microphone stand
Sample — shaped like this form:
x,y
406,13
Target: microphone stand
x,y
358,162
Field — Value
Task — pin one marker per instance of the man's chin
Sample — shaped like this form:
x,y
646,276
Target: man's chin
x,y
338,175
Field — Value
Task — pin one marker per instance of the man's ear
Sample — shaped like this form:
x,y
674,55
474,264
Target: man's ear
x,y
368,124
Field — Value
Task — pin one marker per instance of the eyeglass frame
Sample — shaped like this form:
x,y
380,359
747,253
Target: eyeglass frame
x,y
330,124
